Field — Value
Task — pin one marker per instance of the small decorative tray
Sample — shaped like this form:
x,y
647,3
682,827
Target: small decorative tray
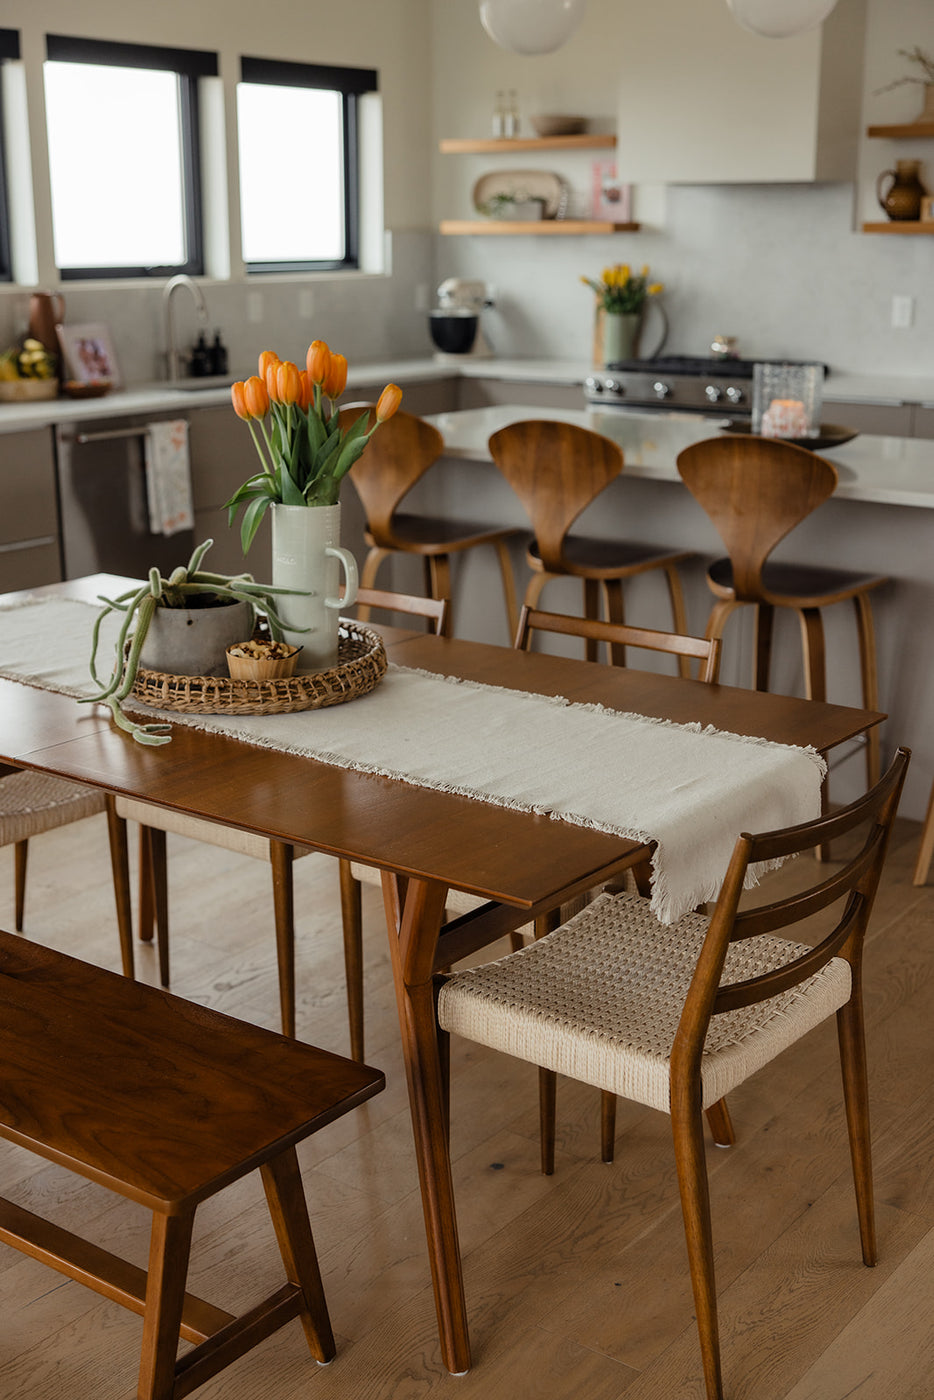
x,y
830,435
360,667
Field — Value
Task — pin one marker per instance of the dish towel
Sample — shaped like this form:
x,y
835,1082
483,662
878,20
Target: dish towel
x,y
168,477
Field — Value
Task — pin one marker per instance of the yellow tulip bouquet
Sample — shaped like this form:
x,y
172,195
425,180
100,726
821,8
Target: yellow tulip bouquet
x,y
622,290
303,448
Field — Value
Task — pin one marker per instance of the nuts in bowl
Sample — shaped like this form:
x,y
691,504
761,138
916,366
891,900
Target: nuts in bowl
x,y
261,661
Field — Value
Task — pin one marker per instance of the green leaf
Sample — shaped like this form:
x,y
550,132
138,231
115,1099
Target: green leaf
x,y
291,493
252,518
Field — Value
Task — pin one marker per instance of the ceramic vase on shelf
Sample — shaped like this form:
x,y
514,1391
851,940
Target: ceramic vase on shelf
x,y
306,554
620,335
902,199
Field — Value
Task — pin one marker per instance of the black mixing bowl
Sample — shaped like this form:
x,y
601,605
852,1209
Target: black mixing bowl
x,y
454,332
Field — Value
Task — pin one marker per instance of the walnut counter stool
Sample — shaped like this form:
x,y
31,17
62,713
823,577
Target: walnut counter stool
x,y
756,490
557,470
396,458
164,1103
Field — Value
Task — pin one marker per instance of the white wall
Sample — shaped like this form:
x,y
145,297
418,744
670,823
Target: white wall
x,y
780,266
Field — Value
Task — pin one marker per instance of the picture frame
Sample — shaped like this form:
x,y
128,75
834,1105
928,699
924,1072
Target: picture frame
x,y
927,209
610,199
89,353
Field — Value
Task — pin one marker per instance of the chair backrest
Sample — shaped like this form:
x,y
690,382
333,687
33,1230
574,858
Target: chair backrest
x,y
433,609
755,490
618,634
556,470
852,888
397,455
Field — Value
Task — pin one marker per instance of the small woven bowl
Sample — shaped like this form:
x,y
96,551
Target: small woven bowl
x,y
266,661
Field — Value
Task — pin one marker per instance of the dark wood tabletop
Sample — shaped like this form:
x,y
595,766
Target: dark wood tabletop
x,y
423,840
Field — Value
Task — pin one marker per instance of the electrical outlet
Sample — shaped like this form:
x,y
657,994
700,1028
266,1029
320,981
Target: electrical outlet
x,y
903,312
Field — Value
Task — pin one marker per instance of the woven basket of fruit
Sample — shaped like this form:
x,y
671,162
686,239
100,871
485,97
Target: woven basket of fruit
x,y
28,373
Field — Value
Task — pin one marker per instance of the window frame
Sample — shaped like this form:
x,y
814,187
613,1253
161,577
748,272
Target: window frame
x,y
351,84
189,65
9,49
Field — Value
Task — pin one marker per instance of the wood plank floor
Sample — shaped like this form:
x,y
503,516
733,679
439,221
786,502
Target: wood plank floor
x,y
577,1285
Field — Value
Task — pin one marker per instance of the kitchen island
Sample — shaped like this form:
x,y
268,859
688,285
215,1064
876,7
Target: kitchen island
x,y
877,521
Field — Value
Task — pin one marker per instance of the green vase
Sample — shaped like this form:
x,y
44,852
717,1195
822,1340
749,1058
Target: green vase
x,y
620,335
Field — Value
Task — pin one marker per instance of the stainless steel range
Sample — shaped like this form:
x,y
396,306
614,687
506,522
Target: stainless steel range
x,y
675,383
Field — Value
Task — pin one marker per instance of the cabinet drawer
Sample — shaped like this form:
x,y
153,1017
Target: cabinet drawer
x,y
27,486
28,565
884,419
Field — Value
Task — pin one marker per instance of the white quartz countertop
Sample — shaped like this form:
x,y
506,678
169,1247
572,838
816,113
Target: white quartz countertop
x,y
884,470
840,386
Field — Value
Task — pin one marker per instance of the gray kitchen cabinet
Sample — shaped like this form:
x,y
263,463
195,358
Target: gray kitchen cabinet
x,y
723,105
222,458
923,421
421,398
483,393
29,548
884,419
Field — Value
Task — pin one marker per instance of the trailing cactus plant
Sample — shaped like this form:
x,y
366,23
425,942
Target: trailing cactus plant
x,y
138,605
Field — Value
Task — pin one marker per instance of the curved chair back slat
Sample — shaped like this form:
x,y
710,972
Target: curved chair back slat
x,y
397,456
556,470
755,490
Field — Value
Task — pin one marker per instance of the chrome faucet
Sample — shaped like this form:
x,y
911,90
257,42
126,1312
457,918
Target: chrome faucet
x,y
172,353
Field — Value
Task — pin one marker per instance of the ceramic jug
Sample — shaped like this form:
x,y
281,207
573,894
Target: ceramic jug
x,y
902,199
46,311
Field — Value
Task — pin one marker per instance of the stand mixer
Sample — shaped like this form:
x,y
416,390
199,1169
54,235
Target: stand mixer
x,y
455,325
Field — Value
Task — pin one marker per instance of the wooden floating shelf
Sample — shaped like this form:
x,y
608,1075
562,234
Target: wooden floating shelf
x,y
538,226
901,226
464,146
904,129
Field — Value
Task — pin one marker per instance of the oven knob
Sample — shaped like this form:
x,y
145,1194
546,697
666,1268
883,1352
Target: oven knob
x,y
714,394
735,395
593,385
613,386
661,389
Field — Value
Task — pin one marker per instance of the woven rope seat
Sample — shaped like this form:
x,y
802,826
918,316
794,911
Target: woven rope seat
x,y
600,999
31,803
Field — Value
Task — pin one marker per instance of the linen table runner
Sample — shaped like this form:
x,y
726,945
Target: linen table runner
x,y
690,790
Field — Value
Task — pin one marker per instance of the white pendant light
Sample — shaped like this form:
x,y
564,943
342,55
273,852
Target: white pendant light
x,y
779,19
531,26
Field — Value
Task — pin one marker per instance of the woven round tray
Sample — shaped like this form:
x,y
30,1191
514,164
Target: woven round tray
x,y
360,667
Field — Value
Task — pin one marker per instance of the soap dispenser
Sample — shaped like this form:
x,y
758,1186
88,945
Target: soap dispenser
x,y
200,362
218,355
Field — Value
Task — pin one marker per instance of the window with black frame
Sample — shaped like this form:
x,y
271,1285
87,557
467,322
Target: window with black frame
x,y
9,49
299,192
124,157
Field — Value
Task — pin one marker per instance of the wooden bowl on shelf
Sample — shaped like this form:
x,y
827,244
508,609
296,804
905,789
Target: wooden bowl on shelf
x,y
557,125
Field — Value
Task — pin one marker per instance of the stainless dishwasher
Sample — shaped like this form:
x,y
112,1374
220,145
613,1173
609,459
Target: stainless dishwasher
x,y
105,527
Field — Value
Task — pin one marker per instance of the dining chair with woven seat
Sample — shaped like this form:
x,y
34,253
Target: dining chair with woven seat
x,y
165,1104
156,822
557,470
675,1017
755,491
33,803
396,458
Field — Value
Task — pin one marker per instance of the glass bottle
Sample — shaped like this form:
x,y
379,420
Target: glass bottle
x,y
511,115
499,116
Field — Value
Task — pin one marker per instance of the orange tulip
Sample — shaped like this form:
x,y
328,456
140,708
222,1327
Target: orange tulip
x,y
288,383
238,400
318,361
267,358
308,390
336,379
256,397
389,401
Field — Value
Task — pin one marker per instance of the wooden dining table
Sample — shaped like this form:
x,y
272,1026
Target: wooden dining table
x,y
424,841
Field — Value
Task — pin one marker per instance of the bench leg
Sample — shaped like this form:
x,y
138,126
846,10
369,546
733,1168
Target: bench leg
x,y
282,1182
169,1248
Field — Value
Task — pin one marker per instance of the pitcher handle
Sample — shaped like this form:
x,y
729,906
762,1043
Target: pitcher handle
x,y
59,302
879,195
659,308
349,566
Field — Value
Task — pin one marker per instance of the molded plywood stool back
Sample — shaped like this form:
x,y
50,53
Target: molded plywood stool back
x,y
756,490
33,803
675,1017
164,1103
397,456
557,470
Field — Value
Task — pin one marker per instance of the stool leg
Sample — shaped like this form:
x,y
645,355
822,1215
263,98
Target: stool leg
x,y
870,677
927,845
169,1248
615,612
535,587
282,1183
352,921
591,609
812,642
678,615
547,1104
20,854
281,856
509,586
368,575
607,1125
762,646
